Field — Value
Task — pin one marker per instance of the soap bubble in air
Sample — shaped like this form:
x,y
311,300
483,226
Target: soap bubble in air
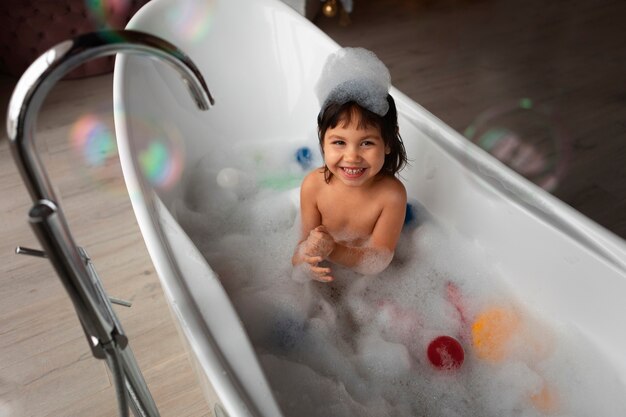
x,y
93,141
159,149
191,19
527,138
108,15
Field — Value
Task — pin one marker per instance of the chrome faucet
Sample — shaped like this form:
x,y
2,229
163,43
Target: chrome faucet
x,y
102,328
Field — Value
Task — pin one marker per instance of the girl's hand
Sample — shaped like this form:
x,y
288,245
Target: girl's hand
x,y
317,247
308,269
319,243
316,272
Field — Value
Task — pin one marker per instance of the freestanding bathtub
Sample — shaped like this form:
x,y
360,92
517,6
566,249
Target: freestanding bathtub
x,y
260,60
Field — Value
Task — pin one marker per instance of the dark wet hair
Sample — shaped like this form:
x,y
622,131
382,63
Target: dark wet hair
x,y
334,113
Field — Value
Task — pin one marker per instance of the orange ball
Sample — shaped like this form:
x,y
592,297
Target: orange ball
x,y
491,332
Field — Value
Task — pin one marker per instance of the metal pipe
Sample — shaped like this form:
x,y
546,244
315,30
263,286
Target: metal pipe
x,y
46,223
100,324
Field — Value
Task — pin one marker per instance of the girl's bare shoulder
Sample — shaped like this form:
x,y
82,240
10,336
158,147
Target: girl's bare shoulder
x,y
392,189
314,179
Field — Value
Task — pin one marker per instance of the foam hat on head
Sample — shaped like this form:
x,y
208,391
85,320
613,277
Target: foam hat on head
x,y
354,74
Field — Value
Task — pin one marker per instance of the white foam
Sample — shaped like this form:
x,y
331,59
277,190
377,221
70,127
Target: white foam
x,y
357,347
355,74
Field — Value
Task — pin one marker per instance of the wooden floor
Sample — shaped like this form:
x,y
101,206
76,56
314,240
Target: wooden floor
x,y
456,58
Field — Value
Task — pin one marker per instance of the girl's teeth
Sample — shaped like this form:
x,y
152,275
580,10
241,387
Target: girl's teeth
x,y
353,171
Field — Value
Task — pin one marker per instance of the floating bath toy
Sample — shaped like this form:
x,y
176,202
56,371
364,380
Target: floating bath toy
x,y
446,353
402,324
492,330
491,334
415,215
234,179
281,182
304,156
410,217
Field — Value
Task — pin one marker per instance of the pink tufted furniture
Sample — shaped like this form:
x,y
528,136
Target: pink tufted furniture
x,y
29,27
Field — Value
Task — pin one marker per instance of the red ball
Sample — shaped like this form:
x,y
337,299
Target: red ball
x,y
446,353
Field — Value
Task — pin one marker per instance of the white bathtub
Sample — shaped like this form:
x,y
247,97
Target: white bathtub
x,y
260,60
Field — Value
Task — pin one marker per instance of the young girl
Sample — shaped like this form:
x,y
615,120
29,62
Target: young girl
x,y
353,208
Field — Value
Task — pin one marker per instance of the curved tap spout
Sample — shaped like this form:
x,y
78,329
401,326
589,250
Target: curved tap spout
x,y
40,77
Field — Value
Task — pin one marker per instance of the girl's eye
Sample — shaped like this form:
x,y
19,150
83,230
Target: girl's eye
x,y
337,142
367,143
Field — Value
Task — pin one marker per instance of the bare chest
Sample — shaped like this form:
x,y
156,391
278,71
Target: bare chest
x,y
349,218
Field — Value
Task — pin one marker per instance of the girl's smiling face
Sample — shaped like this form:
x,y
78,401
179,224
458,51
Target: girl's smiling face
x,y
354,155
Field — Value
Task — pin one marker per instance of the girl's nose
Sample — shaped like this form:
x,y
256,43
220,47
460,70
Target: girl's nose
x,y
352,154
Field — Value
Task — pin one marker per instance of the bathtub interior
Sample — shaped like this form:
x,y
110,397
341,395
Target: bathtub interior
x,y
260,60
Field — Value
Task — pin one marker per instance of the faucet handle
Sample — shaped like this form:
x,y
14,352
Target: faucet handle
x,y
21,250
120,302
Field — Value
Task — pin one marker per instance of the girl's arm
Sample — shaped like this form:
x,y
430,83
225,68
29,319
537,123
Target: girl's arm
x,y
378,253
313,245
310,216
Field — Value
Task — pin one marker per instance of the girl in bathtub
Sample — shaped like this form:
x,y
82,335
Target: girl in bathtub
x,y
353,208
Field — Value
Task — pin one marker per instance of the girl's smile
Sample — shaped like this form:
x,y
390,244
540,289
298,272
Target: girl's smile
x,y
353,173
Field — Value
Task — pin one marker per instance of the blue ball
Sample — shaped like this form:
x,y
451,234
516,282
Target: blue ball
x,y
410,216
416,214
304,156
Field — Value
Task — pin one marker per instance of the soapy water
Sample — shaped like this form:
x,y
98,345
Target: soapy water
x,y
526,137
359,346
